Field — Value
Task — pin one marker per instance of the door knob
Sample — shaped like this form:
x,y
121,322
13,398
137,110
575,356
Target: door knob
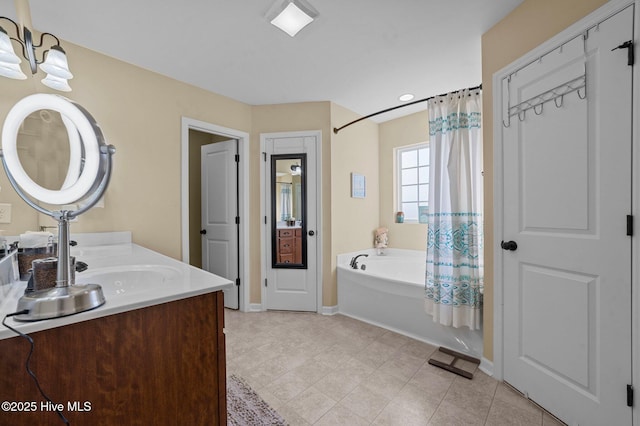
x,y
509,245
311,233
203,232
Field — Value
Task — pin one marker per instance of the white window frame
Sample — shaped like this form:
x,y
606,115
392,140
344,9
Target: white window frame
x,y
398,183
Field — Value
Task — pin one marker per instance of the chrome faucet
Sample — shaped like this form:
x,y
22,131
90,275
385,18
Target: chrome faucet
x,y
354,261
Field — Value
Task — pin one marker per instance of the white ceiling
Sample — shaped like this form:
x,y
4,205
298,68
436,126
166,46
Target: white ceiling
x,y
360,54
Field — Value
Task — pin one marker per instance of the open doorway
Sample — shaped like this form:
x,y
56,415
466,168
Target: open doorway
x,y
195,136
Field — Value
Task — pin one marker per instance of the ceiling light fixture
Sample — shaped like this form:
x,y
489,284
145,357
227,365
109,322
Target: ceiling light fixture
x,y
292,15
53,61
406,97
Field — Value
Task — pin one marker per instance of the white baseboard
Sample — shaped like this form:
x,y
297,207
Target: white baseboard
x,y
329,310
255,307
486,366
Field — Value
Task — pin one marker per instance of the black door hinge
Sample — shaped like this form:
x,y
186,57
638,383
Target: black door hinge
x,y
265,282
237,158
237,220
630,53
630,225
264,156
238,282
629,396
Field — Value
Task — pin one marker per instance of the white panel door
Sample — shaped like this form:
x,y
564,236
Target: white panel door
x,y
293,289
219,211
567,194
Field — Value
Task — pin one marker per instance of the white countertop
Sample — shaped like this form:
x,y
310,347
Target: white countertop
x,y
131,277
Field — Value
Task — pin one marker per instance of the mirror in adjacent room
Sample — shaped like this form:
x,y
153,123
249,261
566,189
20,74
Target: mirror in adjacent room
x,y
288,210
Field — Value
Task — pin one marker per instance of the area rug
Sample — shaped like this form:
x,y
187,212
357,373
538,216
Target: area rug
x,y
246,408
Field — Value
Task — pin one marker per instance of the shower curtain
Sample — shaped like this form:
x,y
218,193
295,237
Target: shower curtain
x,y
285,201
454,275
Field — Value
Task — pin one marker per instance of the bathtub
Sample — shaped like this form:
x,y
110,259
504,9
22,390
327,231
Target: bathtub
x,y
389,293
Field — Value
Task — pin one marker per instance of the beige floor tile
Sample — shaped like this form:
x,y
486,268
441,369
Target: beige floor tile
x,y
415,400
481,382
311,405
374,357
287,386
400,367
365,403
341,415
335,370
468,399
395,414
384,384
432,384
273,401
312,371
506,394
292,417
419,349
448,414
337,385
356,369
393,339
334,356
504,413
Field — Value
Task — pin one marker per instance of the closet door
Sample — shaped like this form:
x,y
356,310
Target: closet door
x,y
567,194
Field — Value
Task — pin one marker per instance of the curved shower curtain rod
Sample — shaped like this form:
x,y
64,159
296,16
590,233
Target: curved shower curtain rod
x,y
337,129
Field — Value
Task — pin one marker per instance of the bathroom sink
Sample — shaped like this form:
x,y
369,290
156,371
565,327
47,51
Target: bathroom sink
x,y
130,279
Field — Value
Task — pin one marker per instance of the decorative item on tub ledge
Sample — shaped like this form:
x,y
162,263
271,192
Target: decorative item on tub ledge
x,y
381,240
400,217
86,181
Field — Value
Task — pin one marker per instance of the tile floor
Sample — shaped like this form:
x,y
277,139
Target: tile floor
x,y
334,370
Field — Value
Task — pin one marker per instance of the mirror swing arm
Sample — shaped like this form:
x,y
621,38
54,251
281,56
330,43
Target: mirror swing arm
x,y
66,298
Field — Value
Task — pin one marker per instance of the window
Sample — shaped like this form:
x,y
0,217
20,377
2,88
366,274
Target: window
x,y
413,180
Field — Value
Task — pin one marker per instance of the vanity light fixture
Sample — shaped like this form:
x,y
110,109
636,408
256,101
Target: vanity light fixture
x,y
53,61
296,170
292,15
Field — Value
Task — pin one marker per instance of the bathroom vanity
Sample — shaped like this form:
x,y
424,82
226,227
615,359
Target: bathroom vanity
x,y
289,245
154,353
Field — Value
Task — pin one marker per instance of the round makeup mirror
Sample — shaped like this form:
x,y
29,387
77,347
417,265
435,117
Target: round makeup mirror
x,y
44,149
85,181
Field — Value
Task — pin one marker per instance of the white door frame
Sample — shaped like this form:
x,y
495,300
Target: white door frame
x,y
574,30
264,234
243,186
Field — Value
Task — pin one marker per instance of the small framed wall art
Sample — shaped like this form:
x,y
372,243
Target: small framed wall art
x,y
358,186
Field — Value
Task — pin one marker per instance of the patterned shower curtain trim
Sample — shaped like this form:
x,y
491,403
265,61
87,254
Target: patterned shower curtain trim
x,y
455,121
458,247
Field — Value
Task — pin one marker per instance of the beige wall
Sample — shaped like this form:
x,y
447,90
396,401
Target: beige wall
x,y
140,113
353,150
408,130
529,25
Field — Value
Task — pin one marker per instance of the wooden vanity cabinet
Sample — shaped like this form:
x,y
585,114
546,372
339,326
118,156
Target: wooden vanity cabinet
x,y
159,365
289,244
